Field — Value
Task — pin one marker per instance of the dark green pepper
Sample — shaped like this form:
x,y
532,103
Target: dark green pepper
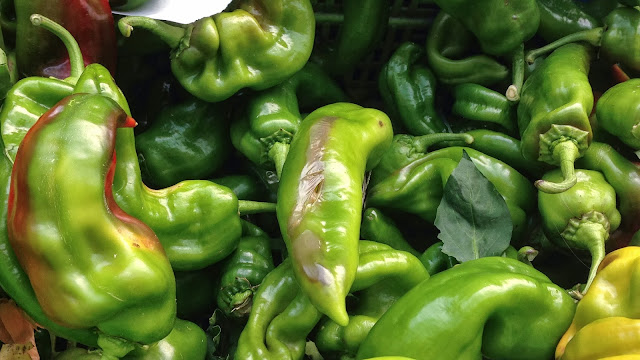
x,y
255,44
480,306
618,112
195,291
320,198
476,102
378,227
246,187
553,114
560,18
447,44
408,90
188,141
125,5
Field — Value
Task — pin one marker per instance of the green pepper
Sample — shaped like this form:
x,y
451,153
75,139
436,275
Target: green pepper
x,y
125,5
89,239
378,227
320,198
195,291
408,90
255,44
8,69
476,102
188,141
475,309
581,217
616,39
560,18
282,315
447,44
243,272
435,261
553,114
264,129
246,187
618,112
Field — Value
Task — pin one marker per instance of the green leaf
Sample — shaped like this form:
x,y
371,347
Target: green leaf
x,y
473,218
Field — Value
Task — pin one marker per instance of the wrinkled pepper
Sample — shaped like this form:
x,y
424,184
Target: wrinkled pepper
x,y
553,113
618,112
408,89
320,198
581,217
448,42
188,141
38,52
607,322
487,302
616,39
254,43
243,272
86,249
264,129
560,18
282,315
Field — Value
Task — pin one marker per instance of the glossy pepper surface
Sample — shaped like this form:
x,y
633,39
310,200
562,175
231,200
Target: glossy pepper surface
x,y
378,227
320,198
606,323
408,89
80,244
553,113
255,44
487,301
38,53
476,102
619,114
581,217
559,18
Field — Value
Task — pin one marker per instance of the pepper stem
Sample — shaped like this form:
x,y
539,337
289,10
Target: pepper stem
x,y
592,36
425,141
591,236
278,153
172,35
75,54
246,207
517,75
566,154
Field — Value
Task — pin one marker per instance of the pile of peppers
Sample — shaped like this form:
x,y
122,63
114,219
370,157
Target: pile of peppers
x,y
225,190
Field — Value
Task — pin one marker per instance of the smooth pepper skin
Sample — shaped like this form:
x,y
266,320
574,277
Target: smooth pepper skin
x,y
320,198
559,18
38,53
495,307
581,217
447,42
553,113
73,279
378,227
255,44
188,141
408,89
618,112
476,102
607,322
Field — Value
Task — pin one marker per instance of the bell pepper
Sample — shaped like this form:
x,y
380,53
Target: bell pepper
x,y
581,217
476,102
553,113
447,44
255,44
606,322
408,89
265,127
86,249
478,308
188,141
243,272
38,52
363,26
320,198
560,18
282,315
378,227
616,39
617,112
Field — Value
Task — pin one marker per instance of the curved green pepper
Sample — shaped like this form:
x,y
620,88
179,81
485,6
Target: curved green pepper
x,y
256,44
617,39
553,114
408,90
320,198
89,239
264,130
581,217
481,306
187,141
560,18
618,112
447,42
476,102
282,315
